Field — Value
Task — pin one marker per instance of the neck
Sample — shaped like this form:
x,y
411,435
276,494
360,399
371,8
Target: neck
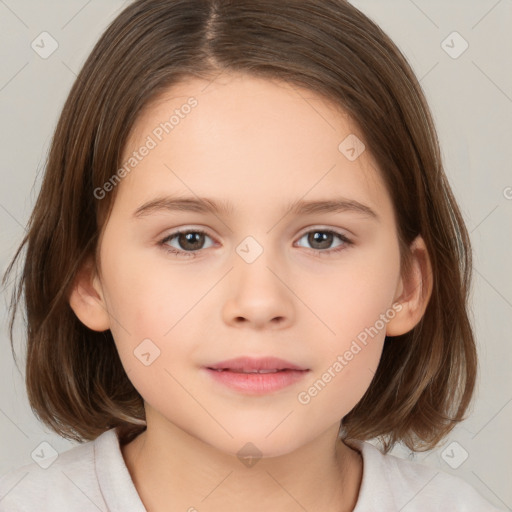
x,y
173,470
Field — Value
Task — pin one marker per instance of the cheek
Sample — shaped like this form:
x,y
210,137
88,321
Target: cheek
x,y
147,295
355,294
151,307
354,305
350,353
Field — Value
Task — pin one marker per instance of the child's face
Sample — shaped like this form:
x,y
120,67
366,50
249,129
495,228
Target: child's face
x,y
258,147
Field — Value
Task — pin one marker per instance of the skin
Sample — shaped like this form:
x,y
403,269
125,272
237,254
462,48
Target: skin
x,y
258,144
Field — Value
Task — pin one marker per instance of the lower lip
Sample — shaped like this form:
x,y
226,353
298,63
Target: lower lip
x,y
257,383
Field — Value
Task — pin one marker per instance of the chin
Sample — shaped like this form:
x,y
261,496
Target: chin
x,y
254,448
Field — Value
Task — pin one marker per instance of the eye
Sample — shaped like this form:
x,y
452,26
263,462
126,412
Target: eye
x,y
191,241
321,239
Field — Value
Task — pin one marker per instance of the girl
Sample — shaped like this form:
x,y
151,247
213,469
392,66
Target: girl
x,y
245,262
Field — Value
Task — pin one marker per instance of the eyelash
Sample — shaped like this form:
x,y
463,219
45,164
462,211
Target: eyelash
x,y
319,252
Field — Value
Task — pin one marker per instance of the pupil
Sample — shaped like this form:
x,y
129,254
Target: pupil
x,y
189,239
323,237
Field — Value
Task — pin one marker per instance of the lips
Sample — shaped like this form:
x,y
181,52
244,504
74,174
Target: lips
x,y
255,376
247,364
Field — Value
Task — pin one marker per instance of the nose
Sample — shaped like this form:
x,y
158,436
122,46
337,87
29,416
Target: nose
x,y
258,294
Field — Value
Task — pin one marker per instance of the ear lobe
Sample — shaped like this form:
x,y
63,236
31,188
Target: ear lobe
x,y
87,301
413,291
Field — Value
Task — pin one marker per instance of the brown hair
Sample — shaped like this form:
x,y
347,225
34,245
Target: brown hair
x,y
75,381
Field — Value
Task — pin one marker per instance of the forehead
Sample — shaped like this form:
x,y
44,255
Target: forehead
x,y
243,102
262,137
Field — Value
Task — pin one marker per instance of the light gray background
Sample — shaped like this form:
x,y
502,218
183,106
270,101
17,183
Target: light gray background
x,y
471,100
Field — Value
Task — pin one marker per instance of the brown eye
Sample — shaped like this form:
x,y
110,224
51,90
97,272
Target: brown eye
x,y
321,240
188,241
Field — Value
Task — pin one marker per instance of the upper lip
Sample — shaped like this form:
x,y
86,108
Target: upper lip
x,y
246,363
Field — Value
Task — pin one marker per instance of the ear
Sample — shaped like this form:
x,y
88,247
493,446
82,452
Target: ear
x,y
87,301
413,291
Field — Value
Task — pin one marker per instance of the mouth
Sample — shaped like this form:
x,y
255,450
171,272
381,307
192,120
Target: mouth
x,y
246,364
256,376
250,371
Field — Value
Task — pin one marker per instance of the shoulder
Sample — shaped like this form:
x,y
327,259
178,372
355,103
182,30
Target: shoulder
x,y
69,479
392,483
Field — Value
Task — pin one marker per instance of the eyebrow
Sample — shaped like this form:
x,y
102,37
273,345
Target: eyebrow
x,y
207,205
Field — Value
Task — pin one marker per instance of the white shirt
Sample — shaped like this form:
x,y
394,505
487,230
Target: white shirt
x,y
93,477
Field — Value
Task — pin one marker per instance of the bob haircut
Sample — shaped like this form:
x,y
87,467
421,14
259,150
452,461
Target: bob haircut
x,y
75,381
